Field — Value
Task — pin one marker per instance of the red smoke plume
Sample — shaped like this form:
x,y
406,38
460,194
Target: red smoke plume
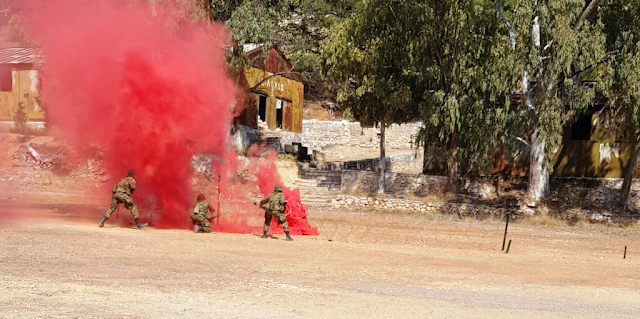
x,y
149,89
295,211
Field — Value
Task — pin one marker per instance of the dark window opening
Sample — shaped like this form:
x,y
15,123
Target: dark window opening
x,y
279,112
581,128
6,80
262,107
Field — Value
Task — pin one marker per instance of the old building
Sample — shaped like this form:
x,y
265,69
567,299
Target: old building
x,y
273,91
19,83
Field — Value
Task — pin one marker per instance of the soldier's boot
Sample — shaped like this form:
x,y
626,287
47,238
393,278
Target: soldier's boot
x,y
104,219
141,226
196,229
264,234
288,237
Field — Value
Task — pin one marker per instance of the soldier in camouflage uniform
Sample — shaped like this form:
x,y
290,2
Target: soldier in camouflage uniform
x,y
201,214
275,204
122,194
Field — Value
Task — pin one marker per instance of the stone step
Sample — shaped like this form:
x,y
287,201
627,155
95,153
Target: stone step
x,y
320,184
337,174
315,198
321,172
303,178
339,178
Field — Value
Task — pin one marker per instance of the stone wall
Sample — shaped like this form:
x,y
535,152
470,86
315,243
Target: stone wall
x,y
593,193
394,204
395,163
400,184
318,134
396,183
598,193
462,210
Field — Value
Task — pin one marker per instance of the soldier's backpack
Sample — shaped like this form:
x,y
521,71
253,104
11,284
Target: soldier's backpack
x,y
276,204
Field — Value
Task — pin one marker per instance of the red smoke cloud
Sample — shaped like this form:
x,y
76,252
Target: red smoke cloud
x,y
295,211
150,90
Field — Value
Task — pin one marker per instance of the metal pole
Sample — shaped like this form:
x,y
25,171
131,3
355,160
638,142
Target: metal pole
x,y
625,253
508,246
218,188
505,232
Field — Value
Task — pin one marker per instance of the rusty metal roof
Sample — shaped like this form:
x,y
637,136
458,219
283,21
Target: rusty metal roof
x,y
19,55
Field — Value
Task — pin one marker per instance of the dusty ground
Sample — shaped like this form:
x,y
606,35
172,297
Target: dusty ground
x,y
56,263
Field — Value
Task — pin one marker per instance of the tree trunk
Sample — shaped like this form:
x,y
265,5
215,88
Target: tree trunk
x,y
629,174
499,185
383,161
538,159
538,168
454,174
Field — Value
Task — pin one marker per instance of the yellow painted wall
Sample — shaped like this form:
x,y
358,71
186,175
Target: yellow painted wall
x,y
605,154
25,89
278,87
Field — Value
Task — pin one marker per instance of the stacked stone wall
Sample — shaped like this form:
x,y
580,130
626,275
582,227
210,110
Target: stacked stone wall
x,y
317,135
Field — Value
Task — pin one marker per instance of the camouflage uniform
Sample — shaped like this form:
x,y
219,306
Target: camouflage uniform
x,y
122,194
274,207
201,215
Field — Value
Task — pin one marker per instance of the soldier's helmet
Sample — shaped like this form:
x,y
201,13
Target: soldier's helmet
x,y
277,188
131,173
201,197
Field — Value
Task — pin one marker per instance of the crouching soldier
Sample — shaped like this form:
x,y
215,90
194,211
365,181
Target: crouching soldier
x,y
201,214
122,192
274,205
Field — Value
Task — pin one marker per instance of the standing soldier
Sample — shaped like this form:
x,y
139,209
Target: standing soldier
x,y
122,194
201,214
275,204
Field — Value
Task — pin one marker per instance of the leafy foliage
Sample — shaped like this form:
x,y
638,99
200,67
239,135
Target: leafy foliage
x,y
444,62
462,63
20,118
554,61
250,21
368,53
621,72
301,37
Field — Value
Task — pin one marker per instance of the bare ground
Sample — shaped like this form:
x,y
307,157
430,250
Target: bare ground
x,y
56,263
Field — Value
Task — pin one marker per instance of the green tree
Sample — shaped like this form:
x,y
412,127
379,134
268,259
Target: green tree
x,y
443,62
462,66
250,21
369,53
621,79
301,38
555,44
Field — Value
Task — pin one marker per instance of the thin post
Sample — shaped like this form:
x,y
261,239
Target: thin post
x,y
509,246
625,253
218,189
505,232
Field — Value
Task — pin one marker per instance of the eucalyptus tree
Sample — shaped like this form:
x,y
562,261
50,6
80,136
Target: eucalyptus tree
x,y
301,38
555,43
620,82
462,66
443,62
369,52
250,21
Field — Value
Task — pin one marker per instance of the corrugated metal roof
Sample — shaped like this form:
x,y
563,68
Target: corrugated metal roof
x,y
251,46
19,55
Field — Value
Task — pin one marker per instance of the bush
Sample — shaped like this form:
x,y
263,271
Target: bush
x,y
21,119
286,157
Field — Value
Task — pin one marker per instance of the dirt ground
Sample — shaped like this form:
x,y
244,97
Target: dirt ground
x,y
55,262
